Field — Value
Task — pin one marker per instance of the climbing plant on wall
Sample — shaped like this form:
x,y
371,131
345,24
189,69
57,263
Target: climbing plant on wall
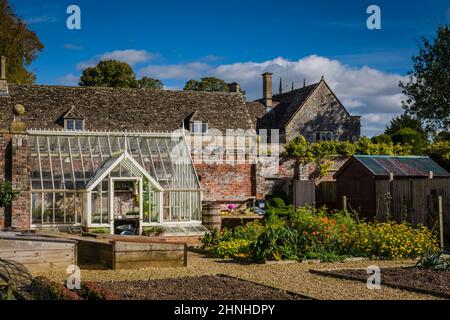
x,y
7,194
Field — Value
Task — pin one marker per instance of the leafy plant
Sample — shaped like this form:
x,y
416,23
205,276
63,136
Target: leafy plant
x,y
7,194
434,261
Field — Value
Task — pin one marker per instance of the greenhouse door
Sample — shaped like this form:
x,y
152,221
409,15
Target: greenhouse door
x,y
125,205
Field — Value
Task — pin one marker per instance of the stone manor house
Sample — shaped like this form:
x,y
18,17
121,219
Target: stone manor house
x,y
92,157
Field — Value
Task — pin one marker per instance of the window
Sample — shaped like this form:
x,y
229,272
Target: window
x,y
324,136
74,124
199,127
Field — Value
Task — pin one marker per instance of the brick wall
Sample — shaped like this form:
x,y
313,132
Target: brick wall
x,y
15,167
226,183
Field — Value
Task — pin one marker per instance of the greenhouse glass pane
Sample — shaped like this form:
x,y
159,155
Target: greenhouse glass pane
x,y
36,208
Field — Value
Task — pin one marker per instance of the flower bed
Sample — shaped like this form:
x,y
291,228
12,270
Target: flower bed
x,y
286,234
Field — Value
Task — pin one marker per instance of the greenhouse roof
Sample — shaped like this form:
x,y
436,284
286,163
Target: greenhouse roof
x,y
63,160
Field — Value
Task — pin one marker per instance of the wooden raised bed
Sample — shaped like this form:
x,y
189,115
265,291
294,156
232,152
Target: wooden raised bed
x,y
130,254
38,253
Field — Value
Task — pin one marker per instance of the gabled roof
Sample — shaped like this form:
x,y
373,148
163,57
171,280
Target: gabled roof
x,y
73,113
288,104
123,109
125,159
383,166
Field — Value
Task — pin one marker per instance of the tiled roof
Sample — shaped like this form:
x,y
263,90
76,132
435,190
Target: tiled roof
x,y
123,109
413,166
286,105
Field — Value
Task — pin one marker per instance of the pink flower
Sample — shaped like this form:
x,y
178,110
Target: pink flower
x,y
232,207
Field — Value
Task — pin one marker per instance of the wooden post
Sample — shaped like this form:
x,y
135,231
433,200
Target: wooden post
x,y
344,203
441,222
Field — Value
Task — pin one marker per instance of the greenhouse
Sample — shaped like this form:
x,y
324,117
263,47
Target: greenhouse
x,y
112,179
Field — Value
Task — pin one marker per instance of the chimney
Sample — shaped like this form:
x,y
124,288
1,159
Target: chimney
x,y
3,81
267,89
234,87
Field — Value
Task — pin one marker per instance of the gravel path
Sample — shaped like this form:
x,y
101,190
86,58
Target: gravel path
x,y
291,277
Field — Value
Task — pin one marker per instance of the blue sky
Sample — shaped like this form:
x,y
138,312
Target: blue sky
x,y
237,40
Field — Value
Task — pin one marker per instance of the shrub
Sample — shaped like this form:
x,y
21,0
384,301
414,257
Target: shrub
x,y
392,240
277,244
231,248
277,203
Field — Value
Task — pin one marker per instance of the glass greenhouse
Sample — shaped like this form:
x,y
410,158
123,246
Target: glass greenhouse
x,y
108,179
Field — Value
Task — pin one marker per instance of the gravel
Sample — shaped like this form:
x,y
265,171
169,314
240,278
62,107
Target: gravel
x,y
293,277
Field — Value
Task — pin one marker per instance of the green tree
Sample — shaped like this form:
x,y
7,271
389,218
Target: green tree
x,y
149,83
403,121
109,73
210,84
411,137
428,88
18,44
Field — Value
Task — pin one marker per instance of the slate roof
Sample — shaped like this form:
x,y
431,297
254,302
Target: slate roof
x,y
413,166
123,109
286,105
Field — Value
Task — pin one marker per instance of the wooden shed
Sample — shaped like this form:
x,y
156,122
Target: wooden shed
x,y
380,187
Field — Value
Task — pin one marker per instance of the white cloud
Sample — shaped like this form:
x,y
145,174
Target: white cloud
x,y
68,80
130,56
177,71
364,91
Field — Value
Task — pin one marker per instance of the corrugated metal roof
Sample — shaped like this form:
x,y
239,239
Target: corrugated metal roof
x,y
412,166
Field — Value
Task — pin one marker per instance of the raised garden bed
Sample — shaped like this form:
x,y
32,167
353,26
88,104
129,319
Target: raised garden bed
x,y
436,283
197,288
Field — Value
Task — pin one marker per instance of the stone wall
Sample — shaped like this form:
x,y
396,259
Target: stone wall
x,y
323,112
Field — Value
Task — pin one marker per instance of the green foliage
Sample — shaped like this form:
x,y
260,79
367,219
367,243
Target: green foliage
x,y
209,84
428,88
99,230
411,137
7,194
18,44
149,83
440,152
434,261
116,74
382,138
148,231
109,73
402,122
310,233
315,152
277,202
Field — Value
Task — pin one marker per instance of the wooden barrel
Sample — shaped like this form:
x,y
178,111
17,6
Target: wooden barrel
x,y
211,216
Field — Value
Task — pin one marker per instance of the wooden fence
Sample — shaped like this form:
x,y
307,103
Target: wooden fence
x,y
415,201
304,193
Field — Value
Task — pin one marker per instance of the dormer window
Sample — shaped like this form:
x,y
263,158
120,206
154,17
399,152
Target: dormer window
x,y
73,120
73,124
196,123
198,127
324,136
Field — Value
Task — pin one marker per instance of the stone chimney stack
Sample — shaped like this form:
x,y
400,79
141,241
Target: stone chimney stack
x,y
3,80
267,89
235,87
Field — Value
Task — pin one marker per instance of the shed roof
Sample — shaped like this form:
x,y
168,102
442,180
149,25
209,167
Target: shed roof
x,y
410,166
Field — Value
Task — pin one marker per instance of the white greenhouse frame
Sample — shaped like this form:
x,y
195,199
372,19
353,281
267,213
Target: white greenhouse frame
x,y
77,162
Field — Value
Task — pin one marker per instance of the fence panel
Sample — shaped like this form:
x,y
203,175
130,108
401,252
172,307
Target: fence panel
x,y
304,193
